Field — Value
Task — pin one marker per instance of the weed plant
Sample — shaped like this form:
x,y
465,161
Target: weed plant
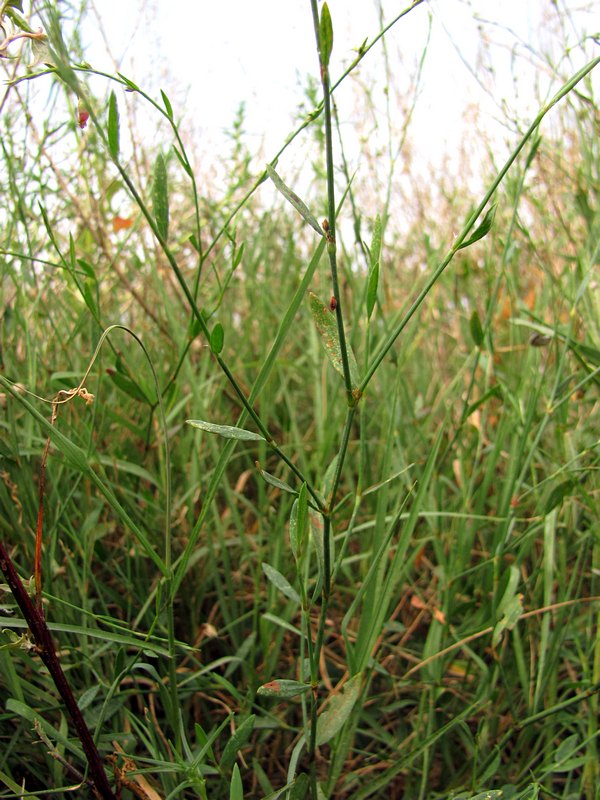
x,y
314,489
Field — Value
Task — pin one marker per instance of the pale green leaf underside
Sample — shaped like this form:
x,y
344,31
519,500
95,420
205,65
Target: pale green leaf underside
x,y
227,431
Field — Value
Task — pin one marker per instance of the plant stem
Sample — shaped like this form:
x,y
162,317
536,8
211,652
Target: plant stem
x,y
47,652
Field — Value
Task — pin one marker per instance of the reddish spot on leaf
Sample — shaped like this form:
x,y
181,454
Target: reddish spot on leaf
x,y
121,223
273,686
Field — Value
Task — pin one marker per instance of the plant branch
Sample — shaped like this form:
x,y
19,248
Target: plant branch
x,y
47,652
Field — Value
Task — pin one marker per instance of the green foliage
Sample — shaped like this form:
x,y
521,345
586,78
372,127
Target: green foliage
x,y
292,595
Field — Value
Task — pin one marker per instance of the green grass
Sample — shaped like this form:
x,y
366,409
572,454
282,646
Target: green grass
x,y
388,586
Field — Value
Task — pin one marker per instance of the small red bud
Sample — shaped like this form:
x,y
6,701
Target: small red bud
x,y
82,117
332,303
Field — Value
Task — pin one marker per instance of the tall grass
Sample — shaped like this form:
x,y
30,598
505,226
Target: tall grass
x,y
320,513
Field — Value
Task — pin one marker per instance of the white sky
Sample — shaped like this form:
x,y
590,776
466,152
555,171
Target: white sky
x,y
210,56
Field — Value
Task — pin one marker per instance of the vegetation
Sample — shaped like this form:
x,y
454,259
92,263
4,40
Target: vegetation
x,y
309,493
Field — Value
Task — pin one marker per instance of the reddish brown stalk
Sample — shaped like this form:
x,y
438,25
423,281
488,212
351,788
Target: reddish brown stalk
x,y
42,638
37,568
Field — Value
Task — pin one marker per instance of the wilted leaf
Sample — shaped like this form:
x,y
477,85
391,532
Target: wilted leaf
x,y
338,710
283,688
326,325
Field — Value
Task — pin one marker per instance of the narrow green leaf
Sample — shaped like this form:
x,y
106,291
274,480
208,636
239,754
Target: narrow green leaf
x,y
113,126
168,107
293,198
327,327
131,86
558,494
483,229
338,710
183,161
374,257
227,431
160,196
19,21
87,268
236,789
375,251
299,523
282,688
273,481
533,151
300,788
495,391
325,35
194,242
476,329
125,384
328,479
217,338
372,285
280,582
237,741
510,607
238,257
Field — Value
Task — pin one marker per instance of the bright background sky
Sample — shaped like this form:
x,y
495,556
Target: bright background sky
x,y
210,56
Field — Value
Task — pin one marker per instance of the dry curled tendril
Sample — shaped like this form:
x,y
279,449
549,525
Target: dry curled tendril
x,y
8,40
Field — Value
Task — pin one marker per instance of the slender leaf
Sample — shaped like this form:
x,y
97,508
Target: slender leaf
x,y
325,35
160,196
236,789
167,102
283,689
280,582
558,494
299,523
237,741
113,126
293,198
273,481
300,788
476,329
483,229
226,431
338,710
217,338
